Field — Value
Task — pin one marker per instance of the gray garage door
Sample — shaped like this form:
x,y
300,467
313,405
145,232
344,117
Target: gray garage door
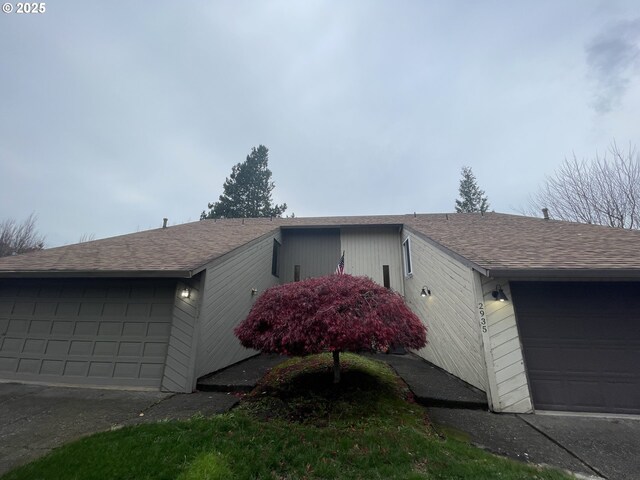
x,y
581,344
90,332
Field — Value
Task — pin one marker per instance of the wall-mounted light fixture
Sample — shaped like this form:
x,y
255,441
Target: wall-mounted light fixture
x,y
254,291
425,291
499,294
185,293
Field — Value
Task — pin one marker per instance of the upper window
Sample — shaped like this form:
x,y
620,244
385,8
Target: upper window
x,y
296,273
406,250
275,259
386,278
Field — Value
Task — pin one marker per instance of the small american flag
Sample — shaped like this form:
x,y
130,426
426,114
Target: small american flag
x,y
340,267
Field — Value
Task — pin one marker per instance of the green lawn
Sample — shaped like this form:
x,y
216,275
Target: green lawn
x,y
294,425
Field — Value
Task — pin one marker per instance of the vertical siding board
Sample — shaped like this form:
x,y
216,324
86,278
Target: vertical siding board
x,y
317,251
367,249
454,342
227,300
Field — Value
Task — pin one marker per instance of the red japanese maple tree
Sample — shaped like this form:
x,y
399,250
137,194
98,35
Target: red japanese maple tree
x,y
334,313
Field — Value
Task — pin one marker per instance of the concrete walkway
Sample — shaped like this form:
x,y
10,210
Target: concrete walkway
x,y
36,419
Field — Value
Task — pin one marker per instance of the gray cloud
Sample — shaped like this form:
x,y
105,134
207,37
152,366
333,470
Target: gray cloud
x,y
112,118
613,59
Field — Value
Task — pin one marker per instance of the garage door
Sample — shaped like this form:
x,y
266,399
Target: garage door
x,y
581,344
89,332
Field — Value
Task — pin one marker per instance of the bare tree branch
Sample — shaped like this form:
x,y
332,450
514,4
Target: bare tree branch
x,y
87,237
16,238
604,190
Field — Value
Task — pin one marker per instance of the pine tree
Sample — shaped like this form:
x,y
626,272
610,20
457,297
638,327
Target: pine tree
x,y
472,199
247,191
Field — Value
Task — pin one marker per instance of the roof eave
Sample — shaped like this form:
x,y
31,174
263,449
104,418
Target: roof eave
x,y
580,273
320,226
96,274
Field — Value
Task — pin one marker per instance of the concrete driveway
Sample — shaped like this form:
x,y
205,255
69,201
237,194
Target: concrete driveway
x,y
595,447
36,419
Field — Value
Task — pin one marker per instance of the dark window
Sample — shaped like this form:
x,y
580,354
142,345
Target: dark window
x,y
406,248
275,259
296,273
385,276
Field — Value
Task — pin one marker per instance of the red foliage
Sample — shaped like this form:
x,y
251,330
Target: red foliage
x,y
332,313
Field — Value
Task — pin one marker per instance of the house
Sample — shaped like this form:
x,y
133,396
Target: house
x,y
539,314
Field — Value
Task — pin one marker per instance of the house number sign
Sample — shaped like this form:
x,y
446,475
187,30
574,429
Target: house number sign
x,y
483,317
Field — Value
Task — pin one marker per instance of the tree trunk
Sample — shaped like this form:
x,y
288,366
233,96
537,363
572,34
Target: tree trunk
x,y
336,366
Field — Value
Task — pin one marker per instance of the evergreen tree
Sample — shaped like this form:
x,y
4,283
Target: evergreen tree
x,y
247,192
472,199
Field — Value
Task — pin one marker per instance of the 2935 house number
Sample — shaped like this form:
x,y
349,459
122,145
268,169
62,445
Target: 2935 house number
x,y
483,317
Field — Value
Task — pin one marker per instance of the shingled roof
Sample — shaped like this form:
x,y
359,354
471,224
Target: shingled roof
x,y
493,243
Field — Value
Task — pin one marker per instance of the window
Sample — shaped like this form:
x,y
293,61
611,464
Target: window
x,y
296,273
275,259
406,249
386,279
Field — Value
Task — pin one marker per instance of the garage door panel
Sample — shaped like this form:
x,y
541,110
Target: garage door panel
x,y
24,308
83,328
627,396
86,332
52,367
17,326
151,370
34,346
117,310
548,392
8,364
12,345
581,343
104,348
138,310
157,329
101,369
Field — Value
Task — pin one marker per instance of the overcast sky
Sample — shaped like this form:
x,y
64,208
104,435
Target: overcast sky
x,y
115,114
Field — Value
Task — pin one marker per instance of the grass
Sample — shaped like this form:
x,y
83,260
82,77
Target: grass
x,y
295,425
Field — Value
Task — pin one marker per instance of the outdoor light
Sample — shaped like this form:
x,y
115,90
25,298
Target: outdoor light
x,y
425,291
498,294
254,291
185,293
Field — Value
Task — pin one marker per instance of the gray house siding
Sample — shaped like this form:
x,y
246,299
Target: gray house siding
x,y
453,335
227,300
181,354
111,332
316,251
367,249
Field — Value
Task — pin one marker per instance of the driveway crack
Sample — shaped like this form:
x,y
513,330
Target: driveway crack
x,y
569,451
